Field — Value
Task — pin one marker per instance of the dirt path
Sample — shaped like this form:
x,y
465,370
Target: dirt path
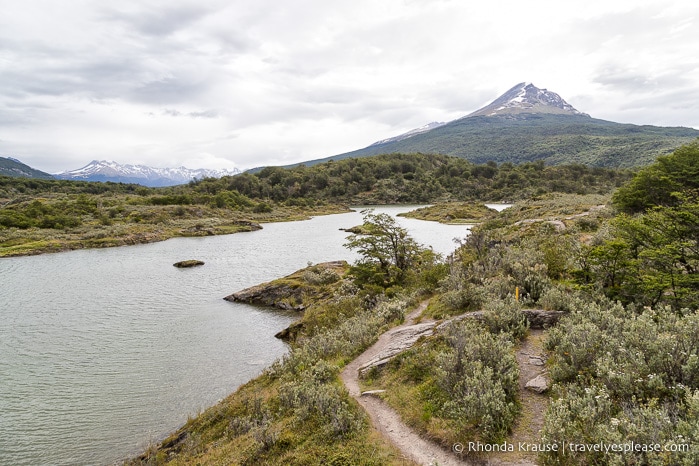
x,y
422,451
530,358
384,418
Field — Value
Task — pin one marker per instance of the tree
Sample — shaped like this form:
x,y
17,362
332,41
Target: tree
x,y
387,251
653,257
659,183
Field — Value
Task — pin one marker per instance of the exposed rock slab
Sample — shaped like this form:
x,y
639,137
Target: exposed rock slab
x,y
286,293
373,392
400,339
538,384
538,318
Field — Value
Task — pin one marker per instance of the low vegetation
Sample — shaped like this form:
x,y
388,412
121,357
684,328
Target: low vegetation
x,y
454,213
38,216
623,360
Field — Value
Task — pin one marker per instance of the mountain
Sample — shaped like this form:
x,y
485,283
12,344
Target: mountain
x,y
527,98
15,168
527,124
103,170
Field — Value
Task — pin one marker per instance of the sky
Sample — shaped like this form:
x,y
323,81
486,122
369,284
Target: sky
x,y
247,83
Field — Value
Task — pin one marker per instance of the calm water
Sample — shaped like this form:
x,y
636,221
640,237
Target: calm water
x,y
102,351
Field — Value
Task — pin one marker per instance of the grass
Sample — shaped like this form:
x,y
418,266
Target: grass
x,y
453,213
125,223
252,427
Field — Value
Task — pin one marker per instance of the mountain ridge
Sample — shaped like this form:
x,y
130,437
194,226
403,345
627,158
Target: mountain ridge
x,y
107,170
10,166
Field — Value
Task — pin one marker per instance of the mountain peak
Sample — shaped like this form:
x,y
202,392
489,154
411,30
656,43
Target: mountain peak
x,y
527,98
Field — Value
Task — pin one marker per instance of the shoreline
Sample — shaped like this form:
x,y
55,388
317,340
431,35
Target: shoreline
x,y
33,242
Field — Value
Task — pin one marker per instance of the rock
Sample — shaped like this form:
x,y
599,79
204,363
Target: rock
x,y
287,293
373,392
538,384
272,294
529,221
557,224
357,230
290,333
538,318
188,263
536,361
400,340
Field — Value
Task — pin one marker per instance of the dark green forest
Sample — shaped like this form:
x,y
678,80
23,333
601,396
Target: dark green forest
x,y
383,179
415,178
553,139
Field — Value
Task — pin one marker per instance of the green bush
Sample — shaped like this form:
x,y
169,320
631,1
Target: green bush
x,y
480,376
505,316
320,276
315,393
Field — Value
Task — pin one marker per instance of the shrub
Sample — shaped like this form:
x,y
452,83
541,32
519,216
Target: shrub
x,y
479,373
320,276
556,298
505,316
316,394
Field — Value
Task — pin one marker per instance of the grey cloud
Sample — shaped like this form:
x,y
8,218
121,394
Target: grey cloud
x,y
158,21
195,115
204,114
630,80
168,90
623,79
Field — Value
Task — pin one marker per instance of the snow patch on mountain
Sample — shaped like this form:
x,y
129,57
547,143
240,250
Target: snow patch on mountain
x,y
411,133
108,170
527,98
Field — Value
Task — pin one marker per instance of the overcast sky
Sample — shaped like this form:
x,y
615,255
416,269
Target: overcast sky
x,y
244,83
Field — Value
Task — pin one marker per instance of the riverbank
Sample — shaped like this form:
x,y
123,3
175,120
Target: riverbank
x,y
150,224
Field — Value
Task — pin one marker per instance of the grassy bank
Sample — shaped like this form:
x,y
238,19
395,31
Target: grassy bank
x,y
124,220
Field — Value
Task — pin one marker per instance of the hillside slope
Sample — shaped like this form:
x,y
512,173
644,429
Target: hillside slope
x,y
528,124
15,168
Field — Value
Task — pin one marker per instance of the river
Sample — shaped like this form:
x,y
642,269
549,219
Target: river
x,y
103,351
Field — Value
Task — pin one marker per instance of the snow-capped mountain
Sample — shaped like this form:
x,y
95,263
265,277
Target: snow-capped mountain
x,y
527,124
411,133
527,98
104,170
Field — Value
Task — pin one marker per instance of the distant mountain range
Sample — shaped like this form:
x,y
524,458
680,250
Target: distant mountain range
x,y
528,124
15,168
103,170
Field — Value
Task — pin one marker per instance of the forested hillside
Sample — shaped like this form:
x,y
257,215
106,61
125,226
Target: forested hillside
x,y
415,178
13,167
551,138
45,215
